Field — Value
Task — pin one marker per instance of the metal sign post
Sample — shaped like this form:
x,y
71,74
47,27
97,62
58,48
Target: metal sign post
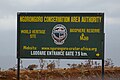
x,y
102,69
18,47
18,69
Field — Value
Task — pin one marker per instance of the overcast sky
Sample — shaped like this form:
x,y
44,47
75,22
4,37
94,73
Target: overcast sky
x,y
8,23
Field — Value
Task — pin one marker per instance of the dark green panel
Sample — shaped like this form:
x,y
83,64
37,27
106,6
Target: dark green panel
x,y
76,45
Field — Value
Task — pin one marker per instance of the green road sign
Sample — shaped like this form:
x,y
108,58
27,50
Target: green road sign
x,y
60,35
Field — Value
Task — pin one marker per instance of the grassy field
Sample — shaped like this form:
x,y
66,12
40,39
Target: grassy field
x,y
63,74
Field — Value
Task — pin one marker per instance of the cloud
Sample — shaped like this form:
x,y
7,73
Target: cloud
x,y
110,21
8,23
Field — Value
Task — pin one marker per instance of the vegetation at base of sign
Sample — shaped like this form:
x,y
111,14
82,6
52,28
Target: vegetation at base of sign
x,y
88,70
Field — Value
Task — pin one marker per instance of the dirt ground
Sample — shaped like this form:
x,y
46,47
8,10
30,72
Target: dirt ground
x,y
62,74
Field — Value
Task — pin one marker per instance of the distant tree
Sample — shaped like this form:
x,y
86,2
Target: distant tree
x,y
109,62
51,66
74,65
32,66
13,69
96,64
21,63
79,66
42,63
88,63
112,64
58,63
69,65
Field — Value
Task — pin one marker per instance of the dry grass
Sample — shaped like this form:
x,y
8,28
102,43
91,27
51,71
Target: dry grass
x,y
63,74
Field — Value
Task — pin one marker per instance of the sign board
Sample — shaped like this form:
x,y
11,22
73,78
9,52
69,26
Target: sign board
x,y
60,35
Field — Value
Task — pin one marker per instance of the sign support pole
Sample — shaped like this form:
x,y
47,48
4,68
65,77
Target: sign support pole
x,y
18,69
103,71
